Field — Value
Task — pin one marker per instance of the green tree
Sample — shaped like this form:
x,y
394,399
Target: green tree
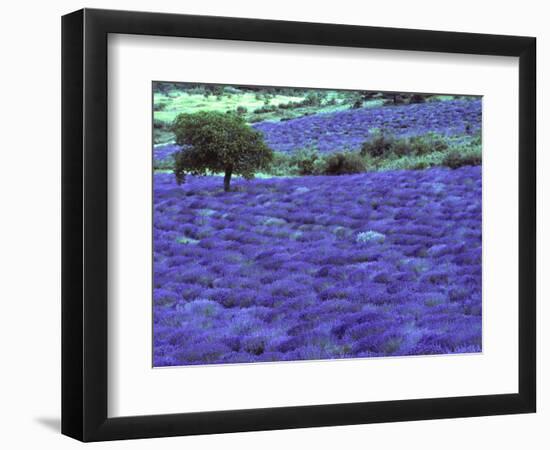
x,y
218,143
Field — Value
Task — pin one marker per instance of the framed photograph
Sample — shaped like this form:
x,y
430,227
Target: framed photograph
x,y
273,224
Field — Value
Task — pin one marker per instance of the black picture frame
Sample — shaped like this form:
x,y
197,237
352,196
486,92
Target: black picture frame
x,y
84,224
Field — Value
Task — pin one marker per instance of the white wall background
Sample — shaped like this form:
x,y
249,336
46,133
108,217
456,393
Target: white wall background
x,y
30,224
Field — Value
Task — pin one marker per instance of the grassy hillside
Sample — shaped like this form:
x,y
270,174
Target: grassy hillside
x,y
262,104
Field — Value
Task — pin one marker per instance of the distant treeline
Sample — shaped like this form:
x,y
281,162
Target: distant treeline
x,y
355,98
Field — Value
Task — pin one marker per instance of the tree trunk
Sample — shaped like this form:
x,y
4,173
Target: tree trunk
x,y
227,179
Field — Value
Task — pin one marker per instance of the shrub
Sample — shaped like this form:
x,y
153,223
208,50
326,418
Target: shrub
x,y
312,99
380,144
428,143
344,163
158,124
214,90
265,109
394,99
417,98
241,110
280,165
319,166
310,162
305,160
401,147
463,157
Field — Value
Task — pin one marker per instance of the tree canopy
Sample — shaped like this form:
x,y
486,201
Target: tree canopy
x,y
214,142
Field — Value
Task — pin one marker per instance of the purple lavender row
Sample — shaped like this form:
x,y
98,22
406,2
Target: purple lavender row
x,y
368,265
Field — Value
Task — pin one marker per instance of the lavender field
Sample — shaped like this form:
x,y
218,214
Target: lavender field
x,y
349,129
369,263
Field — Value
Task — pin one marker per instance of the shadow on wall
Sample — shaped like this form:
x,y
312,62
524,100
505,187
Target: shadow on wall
x,y
53,423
